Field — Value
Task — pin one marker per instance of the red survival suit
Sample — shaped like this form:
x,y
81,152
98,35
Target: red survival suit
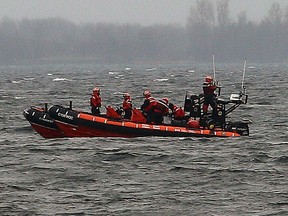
x,y
95,101
127,106
209,95
177,111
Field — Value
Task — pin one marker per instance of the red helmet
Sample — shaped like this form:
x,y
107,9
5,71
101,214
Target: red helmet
x,y
208,79
146,93
165,100
126,95
96,90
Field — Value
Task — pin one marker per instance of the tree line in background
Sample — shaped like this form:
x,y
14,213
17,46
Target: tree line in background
x,y
209,29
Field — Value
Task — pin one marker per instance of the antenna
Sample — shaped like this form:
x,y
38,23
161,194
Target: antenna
x,y
214,68
244,69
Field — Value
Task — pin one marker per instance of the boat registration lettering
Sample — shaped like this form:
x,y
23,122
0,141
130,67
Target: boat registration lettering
x,y
65,116
46,120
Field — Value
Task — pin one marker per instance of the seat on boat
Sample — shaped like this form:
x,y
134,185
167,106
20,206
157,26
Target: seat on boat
x,y
111,113
137,116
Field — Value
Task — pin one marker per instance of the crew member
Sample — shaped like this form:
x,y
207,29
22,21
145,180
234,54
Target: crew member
x,y
127,106
209,88
148,105
95,101
177,112
161,109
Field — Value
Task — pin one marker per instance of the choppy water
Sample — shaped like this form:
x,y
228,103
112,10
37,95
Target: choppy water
x,y
143,176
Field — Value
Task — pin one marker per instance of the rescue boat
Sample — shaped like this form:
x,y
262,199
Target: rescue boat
x,y
59,121
82,124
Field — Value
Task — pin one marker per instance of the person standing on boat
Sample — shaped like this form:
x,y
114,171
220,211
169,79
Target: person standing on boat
x,y
161,109
148,105
95,101
209,88
177,112
127,106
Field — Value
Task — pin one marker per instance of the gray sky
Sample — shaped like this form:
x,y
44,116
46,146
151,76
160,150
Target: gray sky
x,y
145,12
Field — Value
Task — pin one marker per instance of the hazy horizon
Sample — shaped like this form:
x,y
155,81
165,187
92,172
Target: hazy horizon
x,y
146,12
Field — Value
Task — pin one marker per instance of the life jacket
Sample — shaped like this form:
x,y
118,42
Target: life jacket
x,y
209,88
161,107
178,112
95,100
149,104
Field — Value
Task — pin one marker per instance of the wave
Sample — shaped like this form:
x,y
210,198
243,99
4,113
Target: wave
x,y
19,97
19,188
20,80
60,79
23,129
243,170
120,156
161,80
191,71
181,168
16,82
29,78
151,69
261,158
282,159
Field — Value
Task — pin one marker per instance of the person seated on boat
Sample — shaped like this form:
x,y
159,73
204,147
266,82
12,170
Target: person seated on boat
x,y
127,106
148,105
161,109
177,112
209,88
95,101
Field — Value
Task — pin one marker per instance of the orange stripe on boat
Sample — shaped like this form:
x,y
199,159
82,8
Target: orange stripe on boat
x,y
172,129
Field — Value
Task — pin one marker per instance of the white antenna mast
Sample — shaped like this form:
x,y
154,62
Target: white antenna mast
x,y
214,68
244,69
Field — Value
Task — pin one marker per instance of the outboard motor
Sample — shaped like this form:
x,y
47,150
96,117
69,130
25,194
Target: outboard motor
x,y
193,106
219,116
240,127
187,104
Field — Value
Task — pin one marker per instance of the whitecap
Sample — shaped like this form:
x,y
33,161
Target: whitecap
x,y
191,71
118,93
60,79
49,74
16,82
19,98
151,69
128,69
161,80
29,78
